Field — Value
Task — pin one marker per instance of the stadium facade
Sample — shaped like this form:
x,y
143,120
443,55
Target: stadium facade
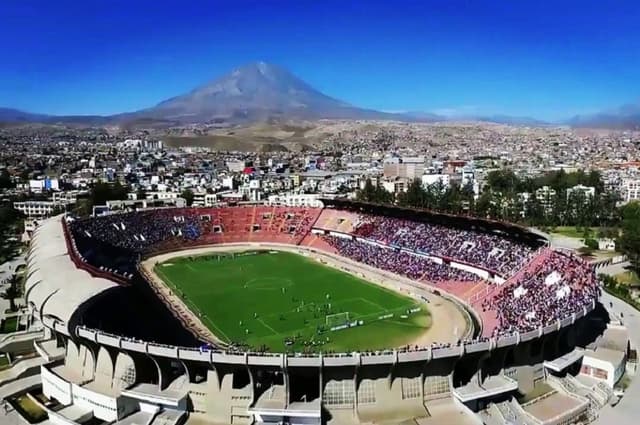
x,y
118,348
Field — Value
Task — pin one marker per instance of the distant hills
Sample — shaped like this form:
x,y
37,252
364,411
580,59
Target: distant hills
x,y
497,119
625,117
8,115
262,92
14,115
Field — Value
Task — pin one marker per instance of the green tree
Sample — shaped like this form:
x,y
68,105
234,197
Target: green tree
x,y
366,194
141,194
415,196
534,211
5,180
12,292
504,181
382,196
629,242
483,205
101,192
451,199
83,207
187,194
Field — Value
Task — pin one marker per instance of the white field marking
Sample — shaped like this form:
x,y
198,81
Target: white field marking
x,y
172,287
251,283
372,303
268,327
217,329
409,325
164,277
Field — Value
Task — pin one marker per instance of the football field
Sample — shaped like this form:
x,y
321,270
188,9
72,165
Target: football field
x,y
287,302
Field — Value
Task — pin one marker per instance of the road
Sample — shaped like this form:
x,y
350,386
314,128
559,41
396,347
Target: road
x,y
614,269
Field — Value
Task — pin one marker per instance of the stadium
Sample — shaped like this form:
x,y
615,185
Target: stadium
x,y
338,313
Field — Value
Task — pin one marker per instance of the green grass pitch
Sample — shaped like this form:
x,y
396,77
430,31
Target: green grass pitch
x,y
280,301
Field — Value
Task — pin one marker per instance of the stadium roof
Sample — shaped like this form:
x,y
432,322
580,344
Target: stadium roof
x,y
55,286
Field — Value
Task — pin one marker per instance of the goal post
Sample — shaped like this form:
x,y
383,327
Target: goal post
x,y
336,319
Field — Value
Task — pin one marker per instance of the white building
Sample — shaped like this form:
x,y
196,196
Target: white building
x,y
235,166
606,244
630,189
303,200
468,175
545,196
69,197
606,359
430,179
604,364
41,185
544,193
588,191
228,182
154,195
395,186
152,145
37,208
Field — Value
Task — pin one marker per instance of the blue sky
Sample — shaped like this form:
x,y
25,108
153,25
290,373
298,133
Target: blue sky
x,y
547,59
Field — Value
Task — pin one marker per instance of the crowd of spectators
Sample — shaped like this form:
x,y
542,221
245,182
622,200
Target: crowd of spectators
x,y
485,250
140,231
412,266
146,231
552,290
545,292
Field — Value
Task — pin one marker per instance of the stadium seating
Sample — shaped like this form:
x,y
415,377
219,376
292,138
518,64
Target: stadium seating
x,y
547,291
413,266
541,286
337,220
479,249
162,229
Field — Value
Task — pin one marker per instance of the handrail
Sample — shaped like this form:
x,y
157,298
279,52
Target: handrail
x,y
434,349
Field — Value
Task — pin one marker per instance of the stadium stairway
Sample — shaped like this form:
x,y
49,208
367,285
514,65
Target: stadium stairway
x,y
21,368
168,417
253,221
478,288
137,418
453,287
317,242
493,416
570,385
532,265
20,341
325,218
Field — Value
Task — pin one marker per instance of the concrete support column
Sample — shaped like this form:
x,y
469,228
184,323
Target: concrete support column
x,y
392,368
321,381
355,384
251,379
286,379
481,361
160,379
422,379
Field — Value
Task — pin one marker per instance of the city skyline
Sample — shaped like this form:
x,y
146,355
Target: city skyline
x,y
548,61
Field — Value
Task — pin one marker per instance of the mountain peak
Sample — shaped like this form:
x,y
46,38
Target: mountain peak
x,y
259,67
254,91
